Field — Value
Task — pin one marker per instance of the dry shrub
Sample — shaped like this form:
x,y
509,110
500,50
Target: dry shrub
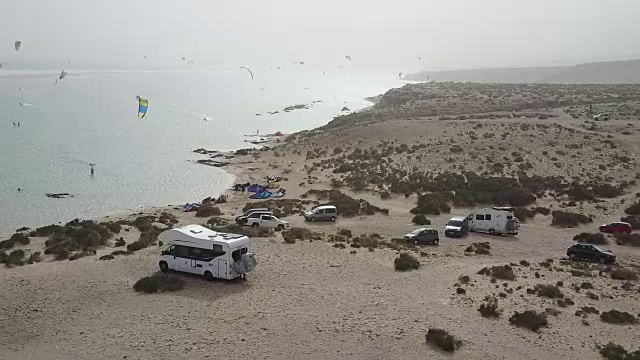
x,y
529,319
490,307
420,219
479,248
503,272
613,351
627,239
158,283
297,233
243,230
464,279
624,274
566,219
549,291
441,339
207,211
406,262
618,317
588,238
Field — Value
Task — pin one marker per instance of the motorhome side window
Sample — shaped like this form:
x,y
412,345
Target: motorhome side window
x,y
479,217
181,251
487,217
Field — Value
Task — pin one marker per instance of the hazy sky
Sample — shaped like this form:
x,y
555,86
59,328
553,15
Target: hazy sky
x,y
379,35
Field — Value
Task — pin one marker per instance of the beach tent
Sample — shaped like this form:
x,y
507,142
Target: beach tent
x,y
256,188
277,194
261,195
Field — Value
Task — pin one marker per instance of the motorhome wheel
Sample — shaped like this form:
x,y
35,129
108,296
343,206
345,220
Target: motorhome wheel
x,y
208,276
255,224
492,232
164,267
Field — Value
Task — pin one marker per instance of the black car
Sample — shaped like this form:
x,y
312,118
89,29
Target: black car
x,y
591,252
423,236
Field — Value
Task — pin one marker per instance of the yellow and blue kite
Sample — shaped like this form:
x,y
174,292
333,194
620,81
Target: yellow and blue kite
x,y
143,105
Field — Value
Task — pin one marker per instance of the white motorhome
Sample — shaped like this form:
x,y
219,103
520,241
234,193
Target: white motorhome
x,y
496,220
197,250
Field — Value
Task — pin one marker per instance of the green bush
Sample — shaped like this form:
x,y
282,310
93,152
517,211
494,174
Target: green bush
x,y
406,262
339,246
49,230
106,257
524,263
441,339
217,221
20,238
114,227
633,209
345,232
464,279
208,211
529,319
158,283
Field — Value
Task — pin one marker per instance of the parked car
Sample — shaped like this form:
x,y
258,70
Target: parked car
x,y
242,219
591,252
616,227
601,117
423,236
320,213
457,227
267,221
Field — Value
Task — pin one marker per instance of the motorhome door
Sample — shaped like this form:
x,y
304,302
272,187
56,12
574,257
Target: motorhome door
x,y
222,268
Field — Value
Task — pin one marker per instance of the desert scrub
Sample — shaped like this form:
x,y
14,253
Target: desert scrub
x,y
627,239
406,262
489,308
208,211
564,219
588,238
529,319
624,274
479,248
613,351
297,233
120,242
243,230
14,258
549,291
158,283
503,272
421,220
618,317
442,339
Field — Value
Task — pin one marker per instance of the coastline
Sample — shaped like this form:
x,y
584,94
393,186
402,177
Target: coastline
x,y
233,168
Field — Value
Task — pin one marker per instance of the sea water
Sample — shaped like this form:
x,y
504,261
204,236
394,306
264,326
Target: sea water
x,y
90,116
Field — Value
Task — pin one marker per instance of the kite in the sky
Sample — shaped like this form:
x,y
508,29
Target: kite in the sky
x,y
63,74
184,58
301,62
400,75
143,105
347,57
17,45
250,72
419,57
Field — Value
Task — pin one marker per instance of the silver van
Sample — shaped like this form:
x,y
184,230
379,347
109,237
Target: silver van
x,y
322,213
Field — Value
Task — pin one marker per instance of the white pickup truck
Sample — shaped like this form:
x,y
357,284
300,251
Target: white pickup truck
x,y
269,222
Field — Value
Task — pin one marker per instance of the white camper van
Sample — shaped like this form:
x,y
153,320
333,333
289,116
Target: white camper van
x,y
197,250
496,220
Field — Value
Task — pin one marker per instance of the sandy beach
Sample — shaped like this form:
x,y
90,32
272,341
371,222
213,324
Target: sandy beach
x,y
312,300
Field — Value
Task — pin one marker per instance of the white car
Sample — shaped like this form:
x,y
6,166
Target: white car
x,y
269,222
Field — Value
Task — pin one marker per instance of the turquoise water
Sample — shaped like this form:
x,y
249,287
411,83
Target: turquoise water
x,y
91,117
